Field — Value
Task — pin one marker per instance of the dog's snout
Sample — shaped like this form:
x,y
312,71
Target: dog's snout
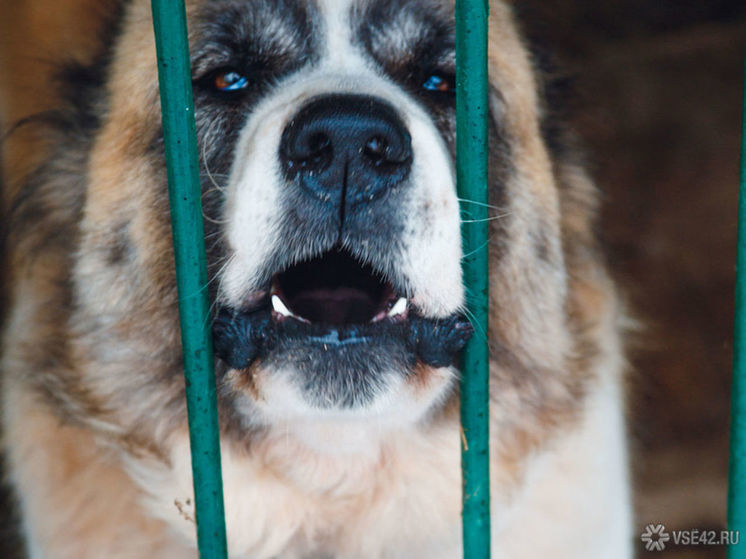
x,y
354,144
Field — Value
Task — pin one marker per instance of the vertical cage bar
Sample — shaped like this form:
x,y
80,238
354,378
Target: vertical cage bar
x,y
179,132
737,481
472,113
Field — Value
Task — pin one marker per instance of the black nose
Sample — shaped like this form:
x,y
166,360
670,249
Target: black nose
x,y
354,146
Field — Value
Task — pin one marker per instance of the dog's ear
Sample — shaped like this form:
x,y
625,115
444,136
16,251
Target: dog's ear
x,y
549,200
526,228
514,99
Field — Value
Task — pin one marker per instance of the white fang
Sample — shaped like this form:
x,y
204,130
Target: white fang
x,y
280,307
399,307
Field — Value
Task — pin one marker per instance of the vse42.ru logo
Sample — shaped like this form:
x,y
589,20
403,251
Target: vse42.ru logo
x,y
655,537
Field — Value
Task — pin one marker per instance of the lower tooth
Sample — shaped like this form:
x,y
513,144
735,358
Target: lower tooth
x,y
280,307
399,307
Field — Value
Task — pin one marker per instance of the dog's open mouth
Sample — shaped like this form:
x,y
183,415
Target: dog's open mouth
x,y
336,302
335,289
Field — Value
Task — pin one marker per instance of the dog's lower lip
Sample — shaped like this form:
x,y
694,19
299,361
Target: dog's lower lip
x,y
243,336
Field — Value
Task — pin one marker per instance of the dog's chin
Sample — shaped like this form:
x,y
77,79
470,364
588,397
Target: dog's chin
x,y
331,336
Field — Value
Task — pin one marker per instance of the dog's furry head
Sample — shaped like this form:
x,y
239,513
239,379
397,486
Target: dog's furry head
x,y
326,132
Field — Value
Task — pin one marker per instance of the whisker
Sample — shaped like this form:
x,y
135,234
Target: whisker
x,y
210,191
480,247
473,320
204,158
218,276
214,221
476,203
491,218
213,235
223,265
220,273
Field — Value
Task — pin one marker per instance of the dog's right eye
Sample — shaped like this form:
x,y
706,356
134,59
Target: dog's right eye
x,y
229,80
440,82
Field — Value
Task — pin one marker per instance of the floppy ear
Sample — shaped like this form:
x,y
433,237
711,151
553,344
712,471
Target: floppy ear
x,y
529,281
550,196
552,306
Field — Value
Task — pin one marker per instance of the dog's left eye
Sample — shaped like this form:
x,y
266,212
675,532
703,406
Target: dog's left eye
x,y
230,80
440,82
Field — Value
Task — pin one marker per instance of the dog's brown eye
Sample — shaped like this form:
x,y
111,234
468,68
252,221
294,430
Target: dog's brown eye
x,y
230,80
441,83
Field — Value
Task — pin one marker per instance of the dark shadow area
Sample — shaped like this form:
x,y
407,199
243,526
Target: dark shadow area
x,y
658,105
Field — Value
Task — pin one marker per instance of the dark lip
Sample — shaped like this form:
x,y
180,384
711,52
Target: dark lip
x,y
340,304
244,336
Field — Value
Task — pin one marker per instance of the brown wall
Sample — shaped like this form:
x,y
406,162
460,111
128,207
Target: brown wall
x,y
659,108
35,35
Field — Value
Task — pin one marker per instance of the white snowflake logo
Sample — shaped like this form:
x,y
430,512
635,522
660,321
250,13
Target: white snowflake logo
x,y
655,537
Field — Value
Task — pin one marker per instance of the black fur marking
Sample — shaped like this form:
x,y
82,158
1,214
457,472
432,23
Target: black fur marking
x,y
410,54
263,41
410,41
338,365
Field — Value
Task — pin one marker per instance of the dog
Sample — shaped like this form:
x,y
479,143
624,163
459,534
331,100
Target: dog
x,y
326,133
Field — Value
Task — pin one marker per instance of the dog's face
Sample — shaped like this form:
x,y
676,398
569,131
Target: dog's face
x,y
340,259
326,135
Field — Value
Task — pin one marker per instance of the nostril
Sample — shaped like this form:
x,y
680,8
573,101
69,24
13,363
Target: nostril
x,y
307,151
376,149
318,153
318,144
388,149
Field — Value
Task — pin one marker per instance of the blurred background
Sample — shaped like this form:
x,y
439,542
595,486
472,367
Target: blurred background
x,y
657,101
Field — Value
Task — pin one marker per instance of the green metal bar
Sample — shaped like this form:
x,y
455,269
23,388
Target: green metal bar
x,y
179,132
737,483
472,113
